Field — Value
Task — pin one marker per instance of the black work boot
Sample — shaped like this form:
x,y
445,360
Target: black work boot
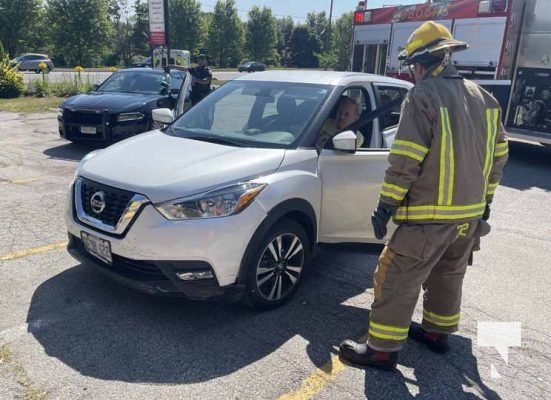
x,y
437,342
361,353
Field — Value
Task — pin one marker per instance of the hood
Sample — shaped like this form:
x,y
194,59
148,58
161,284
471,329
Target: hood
x,y
114,102
163,167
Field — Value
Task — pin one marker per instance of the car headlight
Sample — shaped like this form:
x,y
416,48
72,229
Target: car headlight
x,y
60,112
130,116
218,203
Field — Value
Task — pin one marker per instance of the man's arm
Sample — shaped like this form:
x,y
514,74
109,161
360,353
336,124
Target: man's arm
x,y
206,80
178,67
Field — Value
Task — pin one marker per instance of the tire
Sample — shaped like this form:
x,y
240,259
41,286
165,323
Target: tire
x,y
274,265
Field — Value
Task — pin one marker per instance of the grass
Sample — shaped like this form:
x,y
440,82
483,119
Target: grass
x,y
30,104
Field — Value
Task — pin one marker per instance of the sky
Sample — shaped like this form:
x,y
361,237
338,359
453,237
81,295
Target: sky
x,y
298,9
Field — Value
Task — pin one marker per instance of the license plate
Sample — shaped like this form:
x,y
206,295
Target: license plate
x,y
89,130
97,247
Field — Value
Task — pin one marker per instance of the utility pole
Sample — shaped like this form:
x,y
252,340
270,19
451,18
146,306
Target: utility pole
x,y
166,34
328,37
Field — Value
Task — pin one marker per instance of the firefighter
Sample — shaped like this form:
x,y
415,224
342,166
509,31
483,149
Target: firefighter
x,y
445,164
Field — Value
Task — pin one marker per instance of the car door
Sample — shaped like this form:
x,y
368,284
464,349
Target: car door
x,y
351,182
26,62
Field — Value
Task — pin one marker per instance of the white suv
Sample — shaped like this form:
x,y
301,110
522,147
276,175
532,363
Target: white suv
x,y
233,197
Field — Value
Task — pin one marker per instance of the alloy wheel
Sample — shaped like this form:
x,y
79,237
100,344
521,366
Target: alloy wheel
x,y
280,266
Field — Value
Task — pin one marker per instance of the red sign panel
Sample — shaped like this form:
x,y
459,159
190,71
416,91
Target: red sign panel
x,y
157,38
429,11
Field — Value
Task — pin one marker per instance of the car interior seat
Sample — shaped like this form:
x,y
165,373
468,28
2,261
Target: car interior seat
x,y
302,115
148,84
286,111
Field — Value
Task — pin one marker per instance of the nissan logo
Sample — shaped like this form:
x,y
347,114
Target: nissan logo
x,y
97,202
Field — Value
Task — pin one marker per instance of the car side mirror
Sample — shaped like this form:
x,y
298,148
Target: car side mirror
x,y
95,86
345,142
163,115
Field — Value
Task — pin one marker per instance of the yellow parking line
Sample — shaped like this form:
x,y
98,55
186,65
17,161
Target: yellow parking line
x,y
30,252
314,384
22,181
319,379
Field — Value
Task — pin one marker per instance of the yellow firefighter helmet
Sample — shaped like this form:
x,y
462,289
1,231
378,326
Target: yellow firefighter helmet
x,y
430,39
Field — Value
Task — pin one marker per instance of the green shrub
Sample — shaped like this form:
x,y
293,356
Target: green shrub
x,y
70,87
42,88
11,80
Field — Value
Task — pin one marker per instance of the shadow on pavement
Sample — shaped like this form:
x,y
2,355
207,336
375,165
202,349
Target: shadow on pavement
x,y
527,165
70,151
454,375
106,331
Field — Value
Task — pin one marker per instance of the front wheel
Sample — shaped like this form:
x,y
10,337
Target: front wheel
x,y
275,263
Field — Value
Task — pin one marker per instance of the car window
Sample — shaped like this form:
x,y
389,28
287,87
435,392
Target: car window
x,y
386,93
176,79
134,82
359,97
260,114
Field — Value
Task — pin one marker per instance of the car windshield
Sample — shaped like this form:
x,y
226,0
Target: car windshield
x,y
144,82
253,113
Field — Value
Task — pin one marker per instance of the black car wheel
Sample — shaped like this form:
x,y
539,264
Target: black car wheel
x,y
275,263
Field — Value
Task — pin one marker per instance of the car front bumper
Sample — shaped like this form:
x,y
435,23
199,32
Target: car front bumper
x,y
156,278
105,128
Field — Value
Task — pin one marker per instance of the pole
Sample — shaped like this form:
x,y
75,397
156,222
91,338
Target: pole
x,y
165,3
328,40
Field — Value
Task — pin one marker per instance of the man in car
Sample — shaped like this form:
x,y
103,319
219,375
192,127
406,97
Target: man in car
x,y
446,162
348,111
201,78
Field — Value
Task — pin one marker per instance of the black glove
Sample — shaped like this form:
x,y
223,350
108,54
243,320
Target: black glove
x,y
486,215
380,218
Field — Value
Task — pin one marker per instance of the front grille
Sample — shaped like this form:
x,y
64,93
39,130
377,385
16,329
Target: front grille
x,y
83,117
116,201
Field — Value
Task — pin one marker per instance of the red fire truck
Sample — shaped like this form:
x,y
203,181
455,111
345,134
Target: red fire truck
x,y
509,54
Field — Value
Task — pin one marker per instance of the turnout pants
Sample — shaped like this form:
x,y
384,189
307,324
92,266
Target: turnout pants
x,y
432,256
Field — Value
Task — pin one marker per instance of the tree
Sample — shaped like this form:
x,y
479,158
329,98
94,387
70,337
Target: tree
x,y
17,18
302,48
184,24
317,24
226,34
80,29
140,28
338,57
205,20
342,34
119,14
285,28
261,35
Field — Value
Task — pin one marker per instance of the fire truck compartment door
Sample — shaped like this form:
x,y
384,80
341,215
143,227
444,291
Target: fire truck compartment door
x,y
400,35
485,37
372,34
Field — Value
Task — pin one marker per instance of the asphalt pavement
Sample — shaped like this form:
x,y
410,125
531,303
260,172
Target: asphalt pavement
x,y
67,332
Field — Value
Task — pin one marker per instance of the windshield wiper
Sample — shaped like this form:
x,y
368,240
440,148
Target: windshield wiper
x,y
219,140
